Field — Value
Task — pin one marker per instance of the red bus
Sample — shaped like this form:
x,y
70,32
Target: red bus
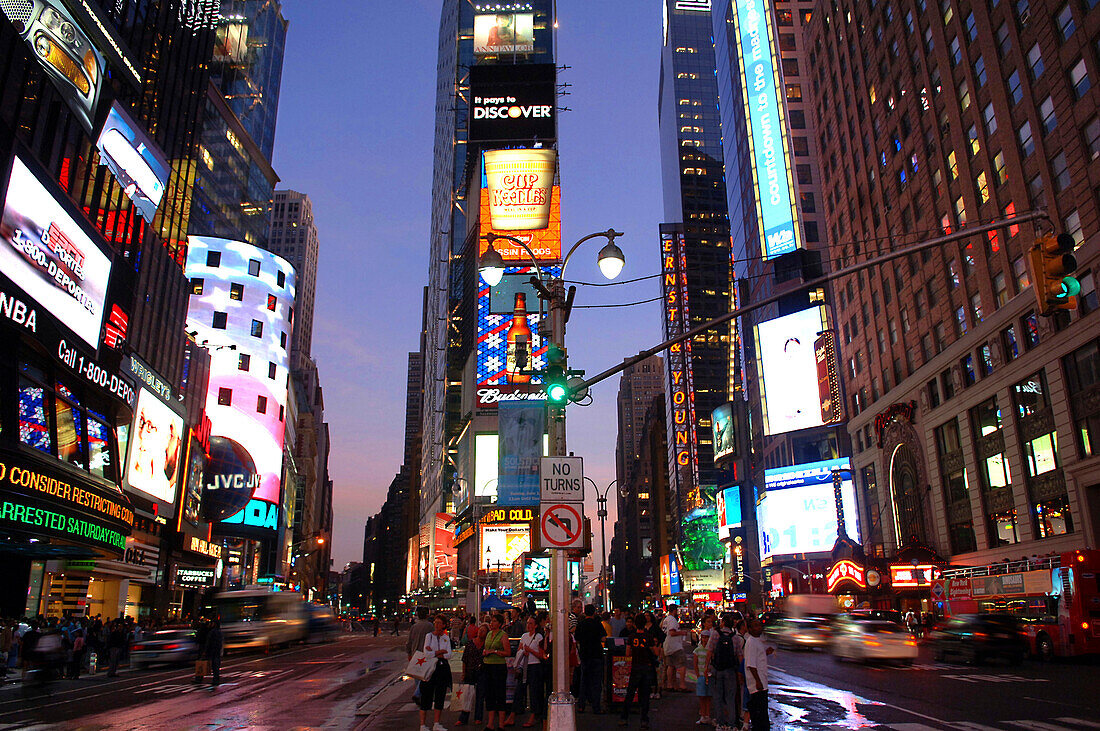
x,y
1056,597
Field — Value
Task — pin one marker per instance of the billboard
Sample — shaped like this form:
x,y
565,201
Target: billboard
x,y
788,370
520,183
446,555
765,117
65,51
797,511
513,103
501,545
137,163
487,466
544,243
729,511
723,432
47,253
496,33
241,303
700,548
828,380
496,315
670,575
522,426
152,466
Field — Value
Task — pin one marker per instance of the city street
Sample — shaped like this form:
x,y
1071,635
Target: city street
x,y
355,683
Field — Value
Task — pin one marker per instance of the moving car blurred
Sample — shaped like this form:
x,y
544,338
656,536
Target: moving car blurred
x,y
871,640
165,646
323,625
260,618
800,633
976,638
882,615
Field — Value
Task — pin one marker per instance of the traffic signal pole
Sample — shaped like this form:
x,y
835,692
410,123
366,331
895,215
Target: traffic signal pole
x,y
967,232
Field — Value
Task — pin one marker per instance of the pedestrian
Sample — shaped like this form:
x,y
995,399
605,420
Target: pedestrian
x,y
472,661
675,652
726,680
618,622
76,659
531,658
376,621
396,625
202,632
215,645
7,639
496,652
756,667
418,632
701,660
116,644
433,691
641,647
590,633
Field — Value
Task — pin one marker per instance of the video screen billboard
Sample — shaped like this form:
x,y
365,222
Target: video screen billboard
x,y
520,183
495,320
513,102
729,511
797,511
723,432
487,465
496,33
135,160
64,50
788,368
768,137
522,426
700,548
544,243
49,256
241,303
501,545
152,467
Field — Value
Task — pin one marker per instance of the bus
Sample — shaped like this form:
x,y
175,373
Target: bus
x,y
1057,599
260,618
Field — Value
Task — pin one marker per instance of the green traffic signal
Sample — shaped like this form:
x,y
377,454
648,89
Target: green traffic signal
x,y
557,387
1071,287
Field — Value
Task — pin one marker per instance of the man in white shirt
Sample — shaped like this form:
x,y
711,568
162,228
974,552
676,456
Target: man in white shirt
x,y
676,658
756,676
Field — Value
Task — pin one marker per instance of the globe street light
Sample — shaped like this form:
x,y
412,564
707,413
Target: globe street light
x,y
552,289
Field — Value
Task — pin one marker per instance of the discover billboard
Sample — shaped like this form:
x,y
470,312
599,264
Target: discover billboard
x,y
513,102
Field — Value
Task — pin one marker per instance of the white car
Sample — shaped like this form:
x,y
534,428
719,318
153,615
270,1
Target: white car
x,y
872,640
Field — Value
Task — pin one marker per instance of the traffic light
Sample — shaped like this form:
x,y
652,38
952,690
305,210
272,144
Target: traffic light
x,y
1052,262
557,379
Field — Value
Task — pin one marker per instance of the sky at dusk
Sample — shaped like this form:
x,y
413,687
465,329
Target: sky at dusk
x,y
355,132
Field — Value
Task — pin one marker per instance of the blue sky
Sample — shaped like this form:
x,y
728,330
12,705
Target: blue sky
x,y
355,132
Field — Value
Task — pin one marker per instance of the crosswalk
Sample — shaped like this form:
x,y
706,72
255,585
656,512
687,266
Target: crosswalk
x,y
1064,723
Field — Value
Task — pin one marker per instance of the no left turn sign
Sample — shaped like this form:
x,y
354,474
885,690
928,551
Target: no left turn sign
x,y
562,526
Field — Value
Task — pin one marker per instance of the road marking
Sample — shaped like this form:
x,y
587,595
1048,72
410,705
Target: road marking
x,y
912,727
1036,725
971,726
1079,722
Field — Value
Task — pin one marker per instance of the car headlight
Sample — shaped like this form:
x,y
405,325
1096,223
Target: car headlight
x,y
51,18
43,46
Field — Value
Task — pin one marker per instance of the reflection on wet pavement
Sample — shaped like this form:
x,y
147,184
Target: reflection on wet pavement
x,y
798,703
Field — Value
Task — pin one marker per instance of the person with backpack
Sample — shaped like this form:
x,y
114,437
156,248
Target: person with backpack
x,y
641,646
726,683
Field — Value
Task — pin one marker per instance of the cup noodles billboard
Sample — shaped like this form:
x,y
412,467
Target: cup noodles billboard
x,y
545,244
241,305
47,253
504,33
520,183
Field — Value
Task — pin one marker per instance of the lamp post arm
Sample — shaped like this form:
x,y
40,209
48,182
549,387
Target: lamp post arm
x,y
609,234
534,259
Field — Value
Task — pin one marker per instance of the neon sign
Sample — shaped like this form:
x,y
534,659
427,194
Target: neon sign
x,y
683,456
845,570
767,128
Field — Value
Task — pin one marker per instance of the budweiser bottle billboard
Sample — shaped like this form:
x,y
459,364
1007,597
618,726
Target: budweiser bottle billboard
x,y
519,343
520,183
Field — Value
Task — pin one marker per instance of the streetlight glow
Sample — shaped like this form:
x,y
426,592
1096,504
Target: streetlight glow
x,y
491,266
611,260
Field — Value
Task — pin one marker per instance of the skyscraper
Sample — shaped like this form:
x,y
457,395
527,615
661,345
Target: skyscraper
x,y
974,417
696,267
637,386
293,236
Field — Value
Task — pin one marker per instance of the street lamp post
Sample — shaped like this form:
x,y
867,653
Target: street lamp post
x,y
552,289
601,513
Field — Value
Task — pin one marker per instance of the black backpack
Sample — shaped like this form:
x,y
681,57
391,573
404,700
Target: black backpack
x,y
725,656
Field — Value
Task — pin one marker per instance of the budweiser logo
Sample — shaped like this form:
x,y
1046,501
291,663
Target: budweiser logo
x,y
491,395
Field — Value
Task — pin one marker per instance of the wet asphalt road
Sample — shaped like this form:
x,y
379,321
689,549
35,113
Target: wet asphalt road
x,y
354,683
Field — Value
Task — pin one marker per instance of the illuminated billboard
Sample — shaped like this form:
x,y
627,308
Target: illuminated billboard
x,y
522,426
828,380
152,466
788,370
47,253
723,432
497,312
65,52
496,33
544,243
135,160
729,511
487,465
670,575
700,548
520,183
797,514
446,555
501,545
683,466
513,102
765,116
241,308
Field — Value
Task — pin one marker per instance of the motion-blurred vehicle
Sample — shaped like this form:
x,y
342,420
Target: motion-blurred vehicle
x,y
322,623
976,638
871,640
165,646
260,618
806,633
882,615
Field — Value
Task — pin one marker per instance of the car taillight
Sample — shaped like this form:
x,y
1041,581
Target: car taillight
x,y
136,647
1084,625
872,643
172,647
910,643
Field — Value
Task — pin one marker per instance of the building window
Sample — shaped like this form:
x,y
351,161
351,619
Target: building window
x,y
956,51
947,385
244,361
1046,112
220,320
261,404
225,397
271,370
1031,330
960,320
1082,369
257,329
933,390
280,278
967,366
1004,39
1010,344
990,118
790,67
1035,61
1052,517
1064,21
1002,528
1042,454
197,285
983,188
976,307
254,267
1000,168
1071,224
1035,188
236,291
1079,78
213,259
1019,271
1027,142
282,340
1061,172
794,92
272,302
1014,89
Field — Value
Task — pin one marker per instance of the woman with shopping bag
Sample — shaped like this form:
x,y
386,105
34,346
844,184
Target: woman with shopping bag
x,y
433,689
532,656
